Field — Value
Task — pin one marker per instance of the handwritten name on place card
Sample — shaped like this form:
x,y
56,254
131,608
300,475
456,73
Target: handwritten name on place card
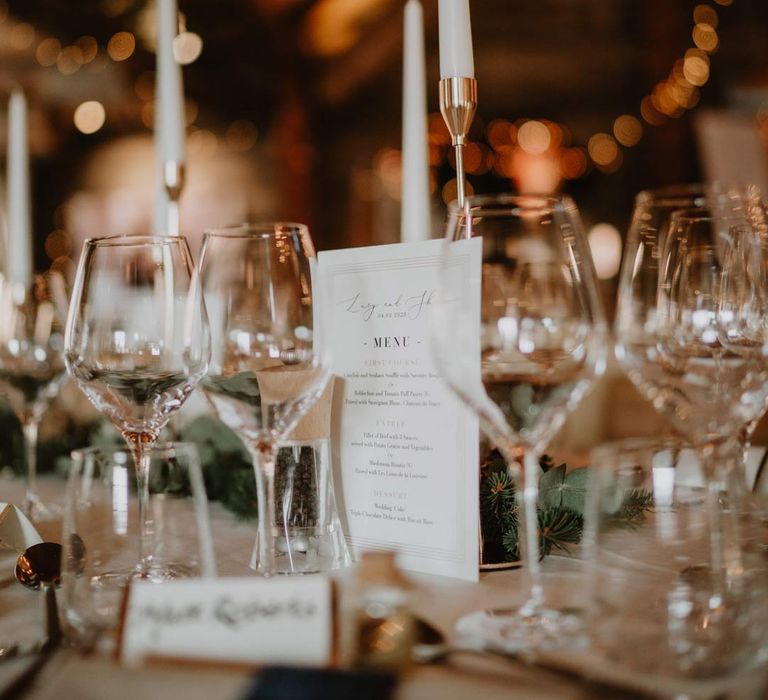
x,y
242,621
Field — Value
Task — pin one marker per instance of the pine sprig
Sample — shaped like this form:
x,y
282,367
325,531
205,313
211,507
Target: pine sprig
x,y
498,497
634,506
558,528
560,509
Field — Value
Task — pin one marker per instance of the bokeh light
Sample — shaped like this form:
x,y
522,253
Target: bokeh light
x,y
705,37
89,48
534,137
705,14
628,130
203,142
603,150
187,48
650,113
573,163
605,244
696,67
22,36
473,158
89,117
48,51
503,164
148,114
58,243
241,135
121,46
451,190
500,132
69,60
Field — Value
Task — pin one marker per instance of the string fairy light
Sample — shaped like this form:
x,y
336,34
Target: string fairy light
x,y
515,147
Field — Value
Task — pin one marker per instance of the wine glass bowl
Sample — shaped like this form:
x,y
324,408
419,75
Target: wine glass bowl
x,y
267,364
542,341
137,338
653,366
636,316
710,327
31,363
137,341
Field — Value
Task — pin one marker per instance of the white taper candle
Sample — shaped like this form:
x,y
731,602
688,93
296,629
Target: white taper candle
x,y
18,213
169,110
415,221
456,57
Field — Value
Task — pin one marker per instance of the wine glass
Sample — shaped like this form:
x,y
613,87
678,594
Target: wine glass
x,y
636,315
137,343
656,617
267,366
32,363
710,336
542,339
101,527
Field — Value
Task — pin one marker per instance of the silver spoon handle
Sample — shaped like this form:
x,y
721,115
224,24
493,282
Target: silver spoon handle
x,y
52,625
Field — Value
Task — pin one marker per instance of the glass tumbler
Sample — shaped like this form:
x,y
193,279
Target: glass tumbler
x,y
662,607
100,536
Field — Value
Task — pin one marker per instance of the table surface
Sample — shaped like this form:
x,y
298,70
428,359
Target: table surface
x,y
439,600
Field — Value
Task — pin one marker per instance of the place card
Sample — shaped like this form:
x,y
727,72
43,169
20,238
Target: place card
x,y
405,449
242,621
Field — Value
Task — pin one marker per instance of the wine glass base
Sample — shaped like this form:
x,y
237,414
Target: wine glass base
x,y
119,578
521,630
158,573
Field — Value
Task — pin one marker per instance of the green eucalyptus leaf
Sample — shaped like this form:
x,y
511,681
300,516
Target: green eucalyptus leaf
x,y
551,487
242,386
574,490
209,431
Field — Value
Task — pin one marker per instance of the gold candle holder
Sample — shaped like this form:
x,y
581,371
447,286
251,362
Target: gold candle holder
x,y
458,103
173,180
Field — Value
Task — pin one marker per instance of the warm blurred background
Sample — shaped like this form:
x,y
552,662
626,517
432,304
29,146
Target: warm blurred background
x,y
293,111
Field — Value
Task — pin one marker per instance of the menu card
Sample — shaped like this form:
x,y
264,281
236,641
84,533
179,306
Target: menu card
x,y
405,449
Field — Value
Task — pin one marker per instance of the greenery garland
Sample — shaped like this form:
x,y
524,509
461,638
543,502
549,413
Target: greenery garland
x,y
229,479
560,510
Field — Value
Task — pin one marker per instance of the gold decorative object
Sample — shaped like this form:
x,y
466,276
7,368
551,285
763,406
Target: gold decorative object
x,y
458,103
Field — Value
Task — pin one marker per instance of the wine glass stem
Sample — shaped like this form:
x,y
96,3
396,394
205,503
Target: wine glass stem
x,y
720,462
745,442
264,468
29,431
715,526
528,529
143,458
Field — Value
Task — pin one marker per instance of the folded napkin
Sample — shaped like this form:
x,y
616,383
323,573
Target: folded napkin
x,y
16,534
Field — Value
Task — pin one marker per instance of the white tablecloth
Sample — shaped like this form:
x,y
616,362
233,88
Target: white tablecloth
x,y
441,601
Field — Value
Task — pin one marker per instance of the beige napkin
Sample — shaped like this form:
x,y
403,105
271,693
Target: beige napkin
x,y
16,534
